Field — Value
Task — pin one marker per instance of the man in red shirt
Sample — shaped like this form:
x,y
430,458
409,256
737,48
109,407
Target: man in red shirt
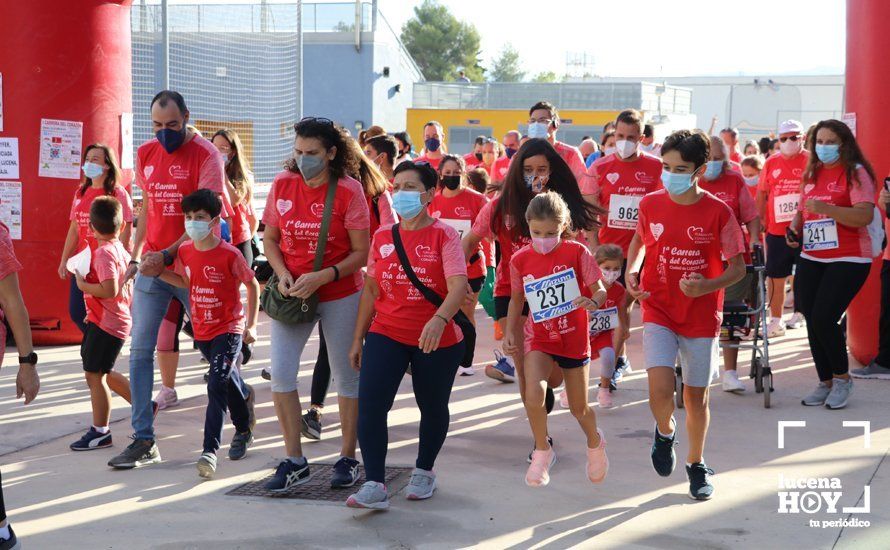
x,y
176,163
543,121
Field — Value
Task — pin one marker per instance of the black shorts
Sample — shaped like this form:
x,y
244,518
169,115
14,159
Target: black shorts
x,y
99,349
502,304
568,362
476,284
780,258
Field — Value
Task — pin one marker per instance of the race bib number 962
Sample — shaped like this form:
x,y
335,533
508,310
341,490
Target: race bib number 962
x,y
551,296
624,211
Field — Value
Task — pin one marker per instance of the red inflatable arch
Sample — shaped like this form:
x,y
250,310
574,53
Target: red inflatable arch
x,y
67,61
868,84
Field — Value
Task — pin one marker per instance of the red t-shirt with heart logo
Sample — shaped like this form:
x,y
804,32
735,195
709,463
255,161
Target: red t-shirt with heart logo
x,y
679,240
458,211
296,210
435,254
80,211
781,177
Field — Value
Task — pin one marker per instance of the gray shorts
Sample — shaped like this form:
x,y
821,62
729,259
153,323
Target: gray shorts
x,y
698,356
337,317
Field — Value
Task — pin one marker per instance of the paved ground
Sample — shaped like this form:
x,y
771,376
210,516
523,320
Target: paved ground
x,y
57,498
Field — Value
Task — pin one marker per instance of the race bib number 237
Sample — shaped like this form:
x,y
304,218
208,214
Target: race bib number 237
x,y
552,296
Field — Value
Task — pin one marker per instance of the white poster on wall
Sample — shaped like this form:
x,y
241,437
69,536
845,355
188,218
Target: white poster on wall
x,y
850,120
9,158
11,207
60,148
127,141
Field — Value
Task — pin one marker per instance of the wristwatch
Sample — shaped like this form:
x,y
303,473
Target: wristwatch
x,y
30,359
168,258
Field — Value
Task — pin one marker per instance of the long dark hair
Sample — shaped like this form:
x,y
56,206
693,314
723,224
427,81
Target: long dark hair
x,y
360,168
330,135
111,177
850,154
515,195
237,169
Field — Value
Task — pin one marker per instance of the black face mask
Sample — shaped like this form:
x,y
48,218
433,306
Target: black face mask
x,y
451,182
478,156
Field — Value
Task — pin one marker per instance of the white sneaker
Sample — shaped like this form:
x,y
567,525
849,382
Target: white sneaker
x,y
776,328
564,400
466,371
796,321
789,299
166,398
731,381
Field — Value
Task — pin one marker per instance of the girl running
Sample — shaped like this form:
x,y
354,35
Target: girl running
x,y
558,280
610,324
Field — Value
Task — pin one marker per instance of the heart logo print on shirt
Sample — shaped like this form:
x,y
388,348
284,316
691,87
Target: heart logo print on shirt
x,y
386,250
808,188
317,209
284,206
148,170
558,268
797,172
656,229
777,172
420,250
612,177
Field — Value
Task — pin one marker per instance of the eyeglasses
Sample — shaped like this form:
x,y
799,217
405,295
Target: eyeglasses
x,y
547,121
786,138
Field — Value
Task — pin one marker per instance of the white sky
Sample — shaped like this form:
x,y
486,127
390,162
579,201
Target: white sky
x,y
650,37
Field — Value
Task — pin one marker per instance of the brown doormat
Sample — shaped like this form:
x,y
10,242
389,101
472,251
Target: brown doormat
x,y
318,488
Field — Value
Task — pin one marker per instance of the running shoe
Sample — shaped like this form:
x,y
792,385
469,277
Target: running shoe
x,y
92,440
549,441
873,370
503,370
422,485
166,398
288,474
311,428
207,464
700,487
597,461
775,328
466,371
345,473
265,374
141,452
604,398
240,443
795,321
664,459
538,474
841,389
622,367
372,495
564,399
818,397
11,543
731,382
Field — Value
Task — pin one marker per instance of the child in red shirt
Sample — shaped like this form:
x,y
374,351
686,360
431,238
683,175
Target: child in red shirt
x,y
559,279
610,324
213,271
107,296
684,234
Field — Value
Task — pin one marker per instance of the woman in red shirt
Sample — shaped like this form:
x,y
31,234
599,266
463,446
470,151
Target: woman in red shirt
x,y
536,167
456,205
837,205
101,175
398,327
293,218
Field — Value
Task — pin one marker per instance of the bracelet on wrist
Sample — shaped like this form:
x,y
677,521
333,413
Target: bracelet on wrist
x,y
441,317
336,273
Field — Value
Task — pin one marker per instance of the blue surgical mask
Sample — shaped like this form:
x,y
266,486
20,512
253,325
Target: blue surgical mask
x,y
171,140
676,184
432,144
538,130
197,229
92,170
752,181
310,166
407,204
828,153
713,169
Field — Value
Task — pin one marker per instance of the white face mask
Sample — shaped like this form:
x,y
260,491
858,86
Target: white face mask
x,y
625,148
608,151
789,148
611,275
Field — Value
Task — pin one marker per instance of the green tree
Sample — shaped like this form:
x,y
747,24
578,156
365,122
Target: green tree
x,y
506,66
441,44
545,77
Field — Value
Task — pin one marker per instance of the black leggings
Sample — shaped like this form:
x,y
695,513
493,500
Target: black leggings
x,y
384,362
883,358
825,290
246,249
321,374
2,505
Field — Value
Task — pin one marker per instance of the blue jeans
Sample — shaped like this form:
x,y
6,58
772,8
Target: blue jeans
x,y
77,308
225,389
151,298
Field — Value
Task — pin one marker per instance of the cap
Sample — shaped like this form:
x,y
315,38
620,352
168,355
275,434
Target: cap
x,y
790,126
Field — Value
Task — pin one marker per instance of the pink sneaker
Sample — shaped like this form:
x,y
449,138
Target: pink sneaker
x,y
564,399
538,474
597,461
604,398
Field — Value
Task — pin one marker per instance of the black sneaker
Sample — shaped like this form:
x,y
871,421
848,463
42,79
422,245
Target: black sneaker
x,y
287,475
549,400
207,377
141,452
240,443
699,486
12,543
91,441
251,409
549,440
345,473
312,425
664,459
265,374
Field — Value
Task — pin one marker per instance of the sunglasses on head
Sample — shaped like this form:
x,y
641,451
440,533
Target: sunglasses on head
x,y
786,138
315,120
